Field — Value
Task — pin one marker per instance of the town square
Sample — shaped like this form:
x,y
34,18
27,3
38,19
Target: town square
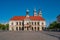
x,y
29,19
29,35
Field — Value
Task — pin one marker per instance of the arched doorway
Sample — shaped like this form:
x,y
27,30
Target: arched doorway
x,y
35,28
27,28
12,29
32,28
17,28
22,28
43,28
38,28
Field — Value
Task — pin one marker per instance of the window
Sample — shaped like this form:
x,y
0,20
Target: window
x,y
35,23
27,23
32,28
12,23
42,23
38,23
16,23
35,28
19,28
16,28
38,28
19,23
32,23
22,23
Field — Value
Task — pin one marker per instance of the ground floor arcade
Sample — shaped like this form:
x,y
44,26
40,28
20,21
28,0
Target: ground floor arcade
x,y
26,28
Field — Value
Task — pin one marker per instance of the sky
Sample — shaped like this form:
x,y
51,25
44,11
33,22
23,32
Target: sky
x,y
9,8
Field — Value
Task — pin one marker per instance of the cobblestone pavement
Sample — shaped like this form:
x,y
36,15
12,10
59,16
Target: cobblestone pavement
x,y
51,33
29,35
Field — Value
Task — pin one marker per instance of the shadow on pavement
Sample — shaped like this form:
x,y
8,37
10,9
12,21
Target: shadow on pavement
x,y
52,35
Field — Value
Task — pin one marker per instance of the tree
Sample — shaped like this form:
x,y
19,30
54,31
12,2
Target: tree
x,y
4,27
54,25
7,26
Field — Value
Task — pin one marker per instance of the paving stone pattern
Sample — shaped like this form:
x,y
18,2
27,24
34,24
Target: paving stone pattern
x,y
27,35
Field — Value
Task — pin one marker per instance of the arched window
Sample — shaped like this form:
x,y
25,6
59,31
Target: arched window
x,y
32,23
27,23
38,23
19,23
12,23
16,23
35,28
35,23
38,28
42,23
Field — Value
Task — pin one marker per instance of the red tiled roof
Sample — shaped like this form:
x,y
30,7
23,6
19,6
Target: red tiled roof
x,y
36,18
23,17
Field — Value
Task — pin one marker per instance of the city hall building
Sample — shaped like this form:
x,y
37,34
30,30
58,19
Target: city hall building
x,y
28,23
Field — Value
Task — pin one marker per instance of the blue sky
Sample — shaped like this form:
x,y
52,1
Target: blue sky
x,y
9,8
